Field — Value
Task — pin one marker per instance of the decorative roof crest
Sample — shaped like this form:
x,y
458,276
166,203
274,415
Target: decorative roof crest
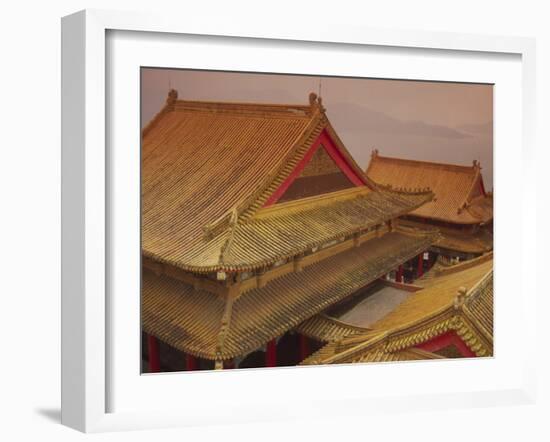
x,y
172,96
316,102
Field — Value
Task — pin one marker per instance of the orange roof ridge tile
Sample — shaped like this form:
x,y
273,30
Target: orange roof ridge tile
x,y
264,109
475,183
224,328
275,110
405,190
229,241
453,166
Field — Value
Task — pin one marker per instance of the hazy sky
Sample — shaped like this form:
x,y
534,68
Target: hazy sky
x,y
443,122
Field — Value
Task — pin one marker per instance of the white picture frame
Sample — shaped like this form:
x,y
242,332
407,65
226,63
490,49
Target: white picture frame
x,y
87,206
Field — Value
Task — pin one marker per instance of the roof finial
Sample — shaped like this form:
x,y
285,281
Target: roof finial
x,y
312,98
172,96
316,102
374,153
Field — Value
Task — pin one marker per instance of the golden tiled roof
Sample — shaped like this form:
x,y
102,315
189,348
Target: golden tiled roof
x,y
206,325
286,230
208,168
460,300
437,293
458,195
478,308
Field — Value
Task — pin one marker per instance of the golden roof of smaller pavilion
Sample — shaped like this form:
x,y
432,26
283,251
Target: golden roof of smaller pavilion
x,y
457,189
458,298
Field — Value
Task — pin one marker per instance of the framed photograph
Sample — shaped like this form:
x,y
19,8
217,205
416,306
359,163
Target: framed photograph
x,y
285,223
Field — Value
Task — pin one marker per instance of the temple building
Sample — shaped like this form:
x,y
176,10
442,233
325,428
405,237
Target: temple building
x,y
462,210
448,313
255,218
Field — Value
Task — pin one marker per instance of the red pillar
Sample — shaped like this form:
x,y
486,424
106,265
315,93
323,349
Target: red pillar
x,y
190,362
271,354
304,347
420,265
399,276
229,364
154,356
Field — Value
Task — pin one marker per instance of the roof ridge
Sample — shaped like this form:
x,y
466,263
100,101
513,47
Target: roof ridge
x,y
344,324
311,202
475,289
468,197
476,293
224,330
233,222
227,106
404,190
253,107
370,339
449,166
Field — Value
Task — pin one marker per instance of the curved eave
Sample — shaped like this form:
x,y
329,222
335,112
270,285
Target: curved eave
x,y
296,251
478,221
